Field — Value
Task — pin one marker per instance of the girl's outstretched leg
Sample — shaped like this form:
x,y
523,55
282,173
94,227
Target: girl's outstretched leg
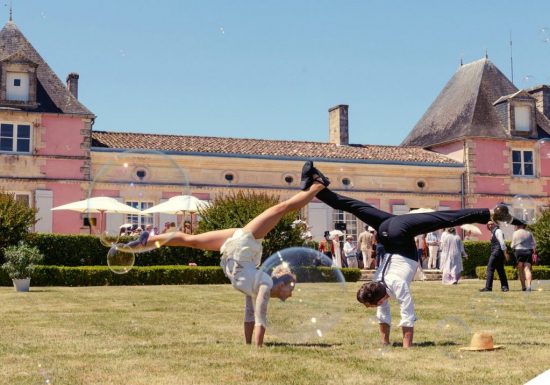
x,y
211,240
266,221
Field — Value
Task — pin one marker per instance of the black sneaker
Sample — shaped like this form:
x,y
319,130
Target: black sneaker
x,y
505,289
485,289
306,180
318,176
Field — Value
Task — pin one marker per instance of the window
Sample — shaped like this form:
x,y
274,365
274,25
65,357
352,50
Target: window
x,y
15,137
24,198
140,220
339,216
522,163
18,86
522,118
400,209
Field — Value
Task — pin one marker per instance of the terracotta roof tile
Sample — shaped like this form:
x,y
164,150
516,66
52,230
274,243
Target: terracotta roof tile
x,y
268,148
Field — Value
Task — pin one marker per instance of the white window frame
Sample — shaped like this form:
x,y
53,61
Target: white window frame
x,y
523,163
23,193
400,209
140,220
349,219
15,137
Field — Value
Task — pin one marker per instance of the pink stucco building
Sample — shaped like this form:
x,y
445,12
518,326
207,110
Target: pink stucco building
x,y
44,133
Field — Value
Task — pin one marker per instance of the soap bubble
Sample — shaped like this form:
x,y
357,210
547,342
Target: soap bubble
x,y
524,208
528,80
138,180
312,312
452,333
537,299
120,259
543,148
544,34
502,214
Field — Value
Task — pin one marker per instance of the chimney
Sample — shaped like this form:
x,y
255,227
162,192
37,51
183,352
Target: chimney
x,y
542,98
72,83
338,125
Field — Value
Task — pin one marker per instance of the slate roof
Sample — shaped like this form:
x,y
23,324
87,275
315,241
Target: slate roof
x,y
465,107
52,93
266,148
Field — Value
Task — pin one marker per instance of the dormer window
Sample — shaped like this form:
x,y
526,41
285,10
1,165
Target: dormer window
x,y
522,118
17,86
18,81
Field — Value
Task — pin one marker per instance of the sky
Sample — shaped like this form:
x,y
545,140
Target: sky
x,y
271,69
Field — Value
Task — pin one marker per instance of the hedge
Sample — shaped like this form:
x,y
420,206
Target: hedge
x,y
87,250
141,275
539,272
478,255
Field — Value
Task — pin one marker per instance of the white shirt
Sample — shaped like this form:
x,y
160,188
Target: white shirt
x,y
523,240
500,238
432,239
398,277
349,249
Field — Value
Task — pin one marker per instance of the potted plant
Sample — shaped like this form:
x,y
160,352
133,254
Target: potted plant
x,y
20,263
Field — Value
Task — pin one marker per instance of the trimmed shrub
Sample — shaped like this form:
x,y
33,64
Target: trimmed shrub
x,y
139,275
478,255
539,272
236,209
351,274
87,250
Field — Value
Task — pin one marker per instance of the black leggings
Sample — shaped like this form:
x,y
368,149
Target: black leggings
x,y
397,232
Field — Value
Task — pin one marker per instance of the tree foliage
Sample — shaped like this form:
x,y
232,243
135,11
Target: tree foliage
x,y
21,260
541,232
16,220
236,209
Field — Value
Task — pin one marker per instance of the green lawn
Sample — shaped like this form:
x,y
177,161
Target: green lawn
x,y
171,335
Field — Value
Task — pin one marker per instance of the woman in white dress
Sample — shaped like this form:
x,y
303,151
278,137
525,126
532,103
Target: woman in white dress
x,y
241,251
453,250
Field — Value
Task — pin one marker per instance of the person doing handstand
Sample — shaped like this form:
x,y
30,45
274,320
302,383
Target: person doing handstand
x,y
241,251
396,233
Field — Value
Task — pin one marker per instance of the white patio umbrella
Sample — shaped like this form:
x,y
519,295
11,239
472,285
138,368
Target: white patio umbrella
x,y
99,205
471,228
179,204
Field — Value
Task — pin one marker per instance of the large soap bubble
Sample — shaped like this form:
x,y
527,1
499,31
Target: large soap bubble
x,y
315,306
120,259
524,208
139,180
